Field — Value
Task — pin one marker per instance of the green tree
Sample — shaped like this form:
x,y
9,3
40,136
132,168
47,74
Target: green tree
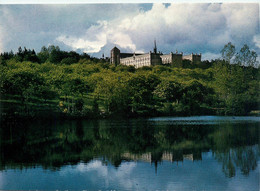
x,y
195,95
55,54
168,90
43,55
68,61
246,57
228,52
141,89
236,87
112,90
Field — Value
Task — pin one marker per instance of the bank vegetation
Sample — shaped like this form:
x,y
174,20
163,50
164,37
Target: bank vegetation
x,y
67,84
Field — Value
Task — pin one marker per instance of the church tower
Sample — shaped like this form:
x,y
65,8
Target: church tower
x,y
115,56
155,48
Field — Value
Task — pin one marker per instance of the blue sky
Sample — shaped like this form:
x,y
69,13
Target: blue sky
x,y
187,175
95,28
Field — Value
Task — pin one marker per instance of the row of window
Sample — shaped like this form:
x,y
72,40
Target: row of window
x,y
136,63
133,61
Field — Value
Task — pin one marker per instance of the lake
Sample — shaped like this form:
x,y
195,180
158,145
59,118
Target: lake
x,y
167,153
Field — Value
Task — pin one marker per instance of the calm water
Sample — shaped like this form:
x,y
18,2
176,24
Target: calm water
x,y
185,153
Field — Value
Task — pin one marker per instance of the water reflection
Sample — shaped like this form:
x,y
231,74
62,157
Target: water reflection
x,y
54,144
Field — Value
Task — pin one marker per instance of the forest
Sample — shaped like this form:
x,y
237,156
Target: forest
x,y
56,83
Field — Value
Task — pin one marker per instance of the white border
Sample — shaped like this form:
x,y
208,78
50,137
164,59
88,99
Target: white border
x,y
120,1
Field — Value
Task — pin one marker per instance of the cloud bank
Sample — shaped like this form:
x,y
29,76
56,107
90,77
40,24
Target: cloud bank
x,y
95,29
185,27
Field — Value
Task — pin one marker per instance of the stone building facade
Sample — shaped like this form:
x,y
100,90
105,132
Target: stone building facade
x,y
172,58
151,58
193,57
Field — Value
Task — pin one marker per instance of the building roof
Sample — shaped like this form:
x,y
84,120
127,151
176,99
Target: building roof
x,y
125,55
115,48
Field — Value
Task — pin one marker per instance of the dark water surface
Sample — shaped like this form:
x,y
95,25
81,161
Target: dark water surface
x,y
182,153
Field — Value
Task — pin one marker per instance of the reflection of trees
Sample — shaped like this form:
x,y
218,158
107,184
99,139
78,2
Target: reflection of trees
x,y
55,144
244,158
230,148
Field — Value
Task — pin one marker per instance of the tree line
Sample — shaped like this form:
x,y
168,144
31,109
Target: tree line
x,y
51,54
54,144
72,84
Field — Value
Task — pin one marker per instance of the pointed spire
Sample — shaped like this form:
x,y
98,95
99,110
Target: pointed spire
x,y
156,165
155,48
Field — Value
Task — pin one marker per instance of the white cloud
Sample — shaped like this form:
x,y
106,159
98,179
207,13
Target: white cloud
x,y
84,44
242,19
97,36
189,28
103,173
102,170
210,56
92,28
34,26
257,40
116,1
5,17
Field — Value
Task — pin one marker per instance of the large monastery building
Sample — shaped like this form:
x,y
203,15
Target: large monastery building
x,y
151,58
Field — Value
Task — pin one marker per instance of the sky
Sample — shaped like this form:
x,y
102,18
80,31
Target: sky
x,y
96,28
95,175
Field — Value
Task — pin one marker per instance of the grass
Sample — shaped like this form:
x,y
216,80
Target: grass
x,y
15,104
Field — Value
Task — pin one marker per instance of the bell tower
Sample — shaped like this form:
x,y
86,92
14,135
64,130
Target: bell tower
x,y
155,48
115,56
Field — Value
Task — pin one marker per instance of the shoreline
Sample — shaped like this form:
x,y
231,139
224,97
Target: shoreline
x,y
61,116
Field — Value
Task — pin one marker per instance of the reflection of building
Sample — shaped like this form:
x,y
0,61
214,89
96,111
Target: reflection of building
x,y
147,157
151,58
165,156
188,157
